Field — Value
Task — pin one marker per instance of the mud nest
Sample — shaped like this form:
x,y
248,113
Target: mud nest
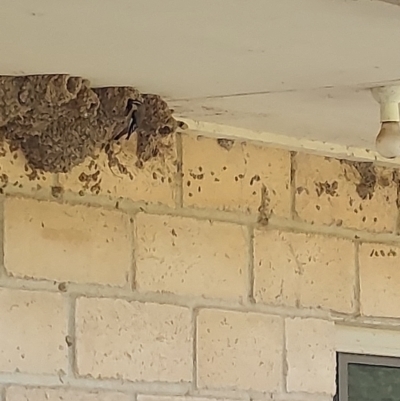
x,y
57,121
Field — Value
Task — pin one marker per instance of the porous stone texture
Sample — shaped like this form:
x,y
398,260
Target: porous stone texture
x,y
186,256
244,177
15,393
124,280
380,280
117,174
178,398
33,331
133,340
84,244
310,353
304,270
239,350
346,194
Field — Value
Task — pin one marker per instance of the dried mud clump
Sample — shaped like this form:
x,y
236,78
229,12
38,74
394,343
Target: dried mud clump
x,y
225,143
368,177
58,121
158,123
263,209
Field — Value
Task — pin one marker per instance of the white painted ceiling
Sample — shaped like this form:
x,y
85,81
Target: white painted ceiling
x,y
295,67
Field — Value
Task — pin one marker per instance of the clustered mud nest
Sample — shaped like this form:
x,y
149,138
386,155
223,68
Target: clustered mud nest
x,y
57,121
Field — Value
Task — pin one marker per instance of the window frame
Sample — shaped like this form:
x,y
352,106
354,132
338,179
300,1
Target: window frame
x,y
343,361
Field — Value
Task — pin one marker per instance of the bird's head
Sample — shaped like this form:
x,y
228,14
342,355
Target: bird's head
x,y
131,103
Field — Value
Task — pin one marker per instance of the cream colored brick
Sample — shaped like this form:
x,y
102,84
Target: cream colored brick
x,y
61,394
191,257
239,350
326,193
310,353
133,341
304,270
379,280
300,397
178,398
15,175
154,183
215,177
33,331
66,243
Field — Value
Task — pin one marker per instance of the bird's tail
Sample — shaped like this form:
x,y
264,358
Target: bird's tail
x,y
120,134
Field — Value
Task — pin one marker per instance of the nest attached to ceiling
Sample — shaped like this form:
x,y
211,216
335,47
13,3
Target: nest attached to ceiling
x,y
58,121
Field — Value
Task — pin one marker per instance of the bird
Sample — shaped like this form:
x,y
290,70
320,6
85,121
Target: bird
x,y
136,110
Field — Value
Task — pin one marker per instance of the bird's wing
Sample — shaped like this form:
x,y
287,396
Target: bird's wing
x,y
129,107
132,124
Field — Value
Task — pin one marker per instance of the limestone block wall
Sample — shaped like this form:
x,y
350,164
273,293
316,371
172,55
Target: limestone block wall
x,y
218,273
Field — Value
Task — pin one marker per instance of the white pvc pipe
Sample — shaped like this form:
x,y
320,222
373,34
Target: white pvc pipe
x,y
390,112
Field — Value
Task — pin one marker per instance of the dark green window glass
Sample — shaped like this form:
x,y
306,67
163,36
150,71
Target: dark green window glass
x,y
373,383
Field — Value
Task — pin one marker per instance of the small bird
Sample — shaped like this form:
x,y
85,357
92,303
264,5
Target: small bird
x,y
136,110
